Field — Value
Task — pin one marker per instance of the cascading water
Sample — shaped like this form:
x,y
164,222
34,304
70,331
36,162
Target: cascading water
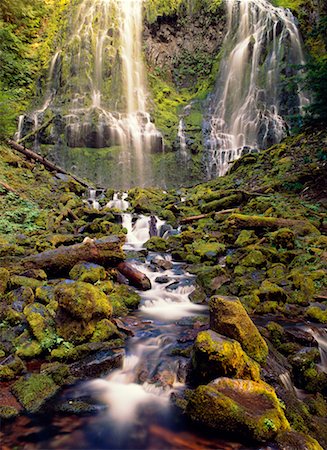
x,y
251,101
97,87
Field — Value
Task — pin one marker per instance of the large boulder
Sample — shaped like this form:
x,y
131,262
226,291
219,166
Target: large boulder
x,y
240,407
88,272
216,356
228,317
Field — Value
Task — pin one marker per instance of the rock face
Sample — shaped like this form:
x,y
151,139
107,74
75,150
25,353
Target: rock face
x,y
217,356
228,317
184,41
238,406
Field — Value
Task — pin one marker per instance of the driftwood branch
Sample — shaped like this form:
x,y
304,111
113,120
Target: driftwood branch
x,y
134,276
48,164
34,132
106,251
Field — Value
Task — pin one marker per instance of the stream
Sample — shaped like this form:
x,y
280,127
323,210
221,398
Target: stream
x,y
132,408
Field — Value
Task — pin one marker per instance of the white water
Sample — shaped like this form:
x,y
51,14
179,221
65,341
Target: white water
x,y
262,45
182,141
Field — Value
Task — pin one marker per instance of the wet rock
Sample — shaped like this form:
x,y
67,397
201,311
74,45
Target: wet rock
x,y
216,356
228,317
78,407
33,391
240,407
163,264
97,364
162,279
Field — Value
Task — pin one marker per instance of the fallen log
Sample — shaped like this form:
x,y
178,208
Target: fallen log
x,y
34,132
8,188
271,223
203,216
47,164
106,251
137,279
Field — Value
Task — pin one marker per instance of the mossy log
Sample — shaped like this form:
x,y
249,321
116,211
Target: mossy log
x,y
204,216
47,164
273,223
106,251
134,276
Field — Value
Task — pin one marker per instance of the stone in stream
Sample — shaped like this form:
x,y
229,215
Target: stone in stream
x,y
240,407
162,279
228,317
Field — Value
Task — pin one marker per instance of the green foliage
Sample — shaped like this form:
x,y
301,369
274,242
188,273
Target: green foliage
x,y
19,215
316,82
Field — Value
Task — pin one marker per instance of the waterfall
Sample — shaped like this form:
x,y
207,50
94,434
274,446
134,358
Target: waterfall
x,y
250,103
97,87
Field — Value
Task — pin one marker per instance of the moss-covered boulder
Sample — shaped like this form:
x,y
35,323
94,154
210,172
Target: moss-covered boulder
x,y
82,300
216,356
29,349
88,272
10,367
34,391
283,238
45,294
21,294
241,407
123,299
271,292
228,317
4,279
255,258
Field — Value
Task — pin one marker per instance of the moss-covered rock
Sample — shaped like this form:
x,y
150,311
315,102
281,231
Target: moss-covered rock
x,y
10,367
87,272
17,281
41,324
271,292
104,331
317,314
254,258
228,317
29,349
45,294
82,300
246,237
4,279
123,299
34,391
156,244
216,356
240,407
283,238
22,294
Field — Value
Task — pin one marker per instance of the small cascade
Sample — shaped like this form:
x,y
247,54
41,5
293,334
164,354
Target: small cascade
x,y
18,134
320,336
251,102
119,201
92,200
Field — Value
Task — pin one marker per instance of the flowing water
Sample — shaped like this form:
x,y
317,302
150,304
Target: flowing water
x,y
251,102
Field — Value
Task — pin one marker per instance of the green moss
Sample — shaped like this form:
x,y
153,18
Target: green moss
x,y
317,314
246,237
254,259
29,349
8,412
4,279
104,331
34,391
215,356
82,300
20,281
228,317
87,272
